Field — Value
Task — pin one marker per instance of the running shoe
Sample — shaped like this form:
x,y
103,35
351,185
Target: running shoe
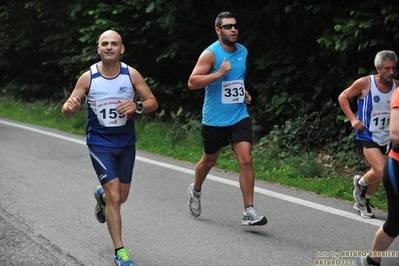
x,y
122,258
363,262
364,210
194,201
99,210
359,192
251,217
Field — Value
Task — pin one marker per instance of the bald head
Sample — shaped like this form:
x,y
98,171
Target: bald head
x,y
110,34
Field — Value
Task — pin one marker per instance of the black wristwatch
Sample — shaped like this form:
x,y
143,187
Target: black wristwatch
x,y
140,107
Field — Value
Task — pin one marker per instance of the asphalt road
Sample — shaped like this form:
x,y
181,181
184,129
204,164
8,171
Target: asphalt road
x,y
47,213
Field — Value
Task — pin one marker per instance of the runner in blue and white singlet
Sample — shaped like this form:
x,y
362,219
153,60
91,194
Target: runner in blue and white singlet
x,y
105,126
110,87
373,111
371,125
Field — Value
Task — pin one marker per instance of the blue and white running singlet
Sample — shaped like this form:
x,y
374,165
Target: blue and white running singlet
x,y
374,111
105,126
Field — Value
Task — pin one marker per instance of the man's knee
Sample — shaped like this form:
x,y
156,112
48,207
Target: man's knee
x,y
245,161
378,173
124,199
124,190
209,160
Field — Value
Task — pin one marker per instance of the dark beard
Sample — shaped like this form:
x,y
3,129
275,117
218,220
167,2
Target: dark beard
x,y
227,42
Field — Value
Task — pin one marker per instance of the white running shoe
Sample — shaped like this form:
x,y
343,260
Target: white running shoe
x,y
251,217
364,210
194,201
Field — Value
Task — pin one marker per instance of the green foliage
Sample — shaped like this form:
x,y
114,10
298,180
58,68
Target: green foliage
x,y
306,132
345,150
183,126
366,27
315,132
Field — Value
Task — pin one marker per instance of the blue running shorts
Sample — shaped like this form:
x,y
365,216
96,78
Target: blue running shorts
x,y
112,162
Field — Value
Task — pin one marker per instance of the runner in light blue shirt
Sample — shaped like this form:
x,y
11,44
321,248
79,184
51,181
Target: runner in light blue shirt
x,y
220,69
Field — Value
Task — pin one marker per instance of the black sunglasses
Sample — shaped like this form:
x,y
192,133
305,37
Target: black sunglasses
x,y
229,26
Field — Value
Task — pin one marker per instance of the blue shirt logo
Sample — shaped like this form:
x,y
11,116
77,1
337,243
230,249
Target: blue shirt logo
x,y
122,90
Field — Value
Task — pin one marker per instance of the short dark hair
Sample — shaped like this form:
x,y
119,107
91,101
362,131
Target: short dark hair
x,y
222,15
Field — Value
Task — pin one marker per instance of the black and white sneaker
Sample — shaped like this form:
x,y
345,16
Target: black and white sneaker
x,y
359,192
251,217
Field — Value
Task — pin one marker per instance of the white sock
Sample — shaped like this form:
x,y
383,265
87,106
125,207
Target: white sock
x,y
362,183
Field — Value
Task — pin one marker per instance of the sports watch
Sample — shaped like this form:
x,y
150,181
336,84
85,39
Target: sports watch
x,y
139,106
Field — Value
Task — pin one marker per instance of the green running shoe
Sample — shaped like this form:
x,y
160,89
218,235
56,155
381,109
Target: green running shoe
x,y
122,258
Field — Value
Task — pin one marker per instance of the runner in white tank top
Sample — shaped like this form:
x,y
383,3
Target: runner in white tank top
x,y
371,125
109,87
